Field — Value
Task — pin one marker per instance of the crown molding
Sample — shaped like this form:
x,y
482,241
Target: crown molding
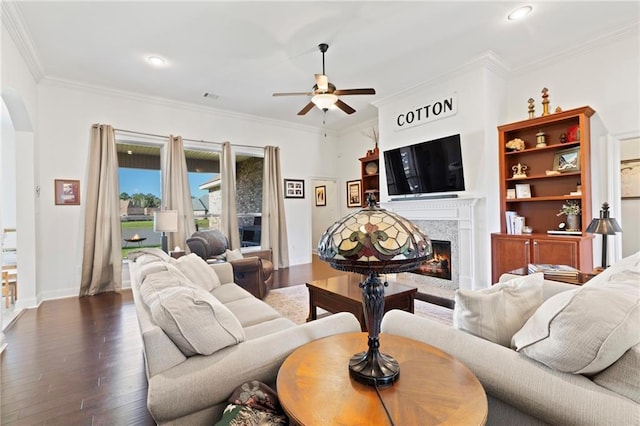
x,y
629,31
488,60
14,23
134,96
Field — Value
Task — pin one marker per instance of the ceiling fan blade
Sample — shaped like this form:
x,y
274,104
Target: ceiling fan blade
x,y
308,107
344,92
322,81
346,108
293,94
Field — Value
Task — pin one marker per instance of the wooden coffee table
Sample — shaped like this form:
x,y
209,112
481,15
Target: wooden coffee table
x,y
314,386
342,294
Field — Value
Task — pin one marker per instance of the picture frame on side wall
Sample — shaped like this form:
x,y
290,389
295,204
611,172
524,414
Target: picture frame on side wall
x,y
321,196
630,179
354,193
67,192
293,188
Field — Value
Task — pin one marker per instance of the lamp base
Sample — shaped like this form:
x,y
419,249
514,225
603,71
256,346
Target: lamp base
x,y
164,243
374,368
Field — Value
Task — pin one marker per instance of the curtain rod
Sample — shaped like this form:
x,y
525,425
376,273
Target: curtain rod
x,y
184,139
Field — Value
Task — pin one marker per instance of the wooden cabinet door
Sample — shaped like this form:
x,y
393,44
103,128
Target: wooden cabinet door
x,y
509,253
556,251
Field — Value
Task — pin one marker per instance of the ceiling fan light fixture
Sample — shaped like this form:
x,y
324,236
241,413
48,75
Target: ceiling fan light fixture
x,y
324,100
519,13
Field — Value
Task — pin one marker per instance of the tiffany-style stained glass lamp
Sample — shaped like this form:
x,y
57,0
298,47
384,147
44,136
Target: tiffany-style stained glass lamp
x,y
374,241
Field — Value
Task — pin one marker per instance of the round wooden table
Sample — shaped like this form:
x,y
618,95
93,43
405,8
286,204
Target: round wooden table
x,y
314,386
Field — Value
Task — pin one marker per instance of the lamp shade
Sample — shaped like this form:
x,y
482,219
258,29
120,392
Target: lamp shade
x,y
165,221
324,100
604,225
374,240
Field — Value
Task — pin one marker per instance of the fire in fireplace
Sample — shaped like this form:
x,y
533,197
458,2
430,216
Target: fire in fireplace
x,y
439,265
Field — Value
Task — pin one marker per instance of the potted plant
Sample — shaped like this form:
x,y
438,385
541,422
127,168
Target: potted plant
x,y
572,210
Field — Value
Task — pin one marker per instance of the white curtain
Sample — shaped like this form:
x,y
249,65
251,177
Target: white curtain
x,y
274,222
176,194
102,250
228,194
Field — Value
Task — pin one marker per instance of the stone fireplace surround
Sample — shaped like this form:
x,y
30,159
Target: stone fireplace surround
x,y
451,219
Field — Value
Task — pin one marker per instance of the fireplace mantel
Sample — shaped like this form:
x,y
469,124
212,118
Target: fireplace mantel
x,y
462,211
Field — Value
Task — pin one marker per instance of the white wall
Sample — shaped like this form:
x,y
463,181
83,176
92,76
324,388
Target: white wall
x,y
604,76
630,208
479,89
322,216
66,114
19,93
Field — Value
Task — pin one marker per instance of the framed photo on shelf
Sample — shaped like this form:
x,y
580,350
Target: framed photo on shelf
x,y
293,188
67,192
523,190
354,191
567,160
511,194
630,178
321,196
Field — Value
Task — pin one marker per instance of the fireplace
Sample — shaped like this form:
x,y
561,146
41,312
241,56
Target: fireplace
x,y
439,265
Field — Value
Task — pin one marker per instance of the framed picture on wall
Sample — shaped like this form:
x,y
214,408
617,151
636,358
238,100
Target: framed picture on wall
x,y
67,192
630,178
354,191
293,188
321,195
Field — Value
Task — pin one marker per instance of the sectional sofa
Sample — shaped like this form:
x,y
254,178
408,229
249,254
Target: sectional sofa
x,y
203,335
574,358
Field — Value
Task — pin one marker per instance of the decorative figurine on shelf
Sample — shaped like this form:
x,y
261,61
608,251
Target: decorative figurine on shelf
x,y
558,109
374,135
531,108
563,138
515,145
545,101
519,171
540,140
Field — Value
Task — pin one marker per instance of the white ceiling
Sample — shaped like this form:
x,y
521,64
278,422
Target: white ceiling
x,y
245,51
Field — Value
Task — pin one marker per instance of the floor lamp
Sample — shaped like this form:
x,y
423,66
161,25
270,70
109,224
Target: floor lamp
x,y
165,221
374,241
604,225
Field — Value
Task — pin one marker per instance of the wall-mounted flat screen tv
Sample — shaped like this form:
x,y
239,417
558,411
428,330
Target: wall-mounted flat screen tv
x,y
425,167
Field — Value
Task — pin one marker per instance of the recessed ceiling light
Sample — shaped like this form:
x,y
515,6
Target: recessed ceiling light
x,y
156,60
519,13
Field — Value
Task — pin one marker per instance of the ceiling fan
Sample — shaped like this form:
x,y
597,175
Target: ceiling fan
x,y
325,94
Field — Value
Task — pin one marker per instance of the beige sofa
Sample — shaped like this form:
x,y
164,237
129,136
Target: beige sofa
x,y
191,373
524,391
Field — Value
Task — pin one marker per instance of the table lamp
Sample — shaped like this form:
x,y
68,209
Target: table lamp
x,y
604,226
374,241
165,221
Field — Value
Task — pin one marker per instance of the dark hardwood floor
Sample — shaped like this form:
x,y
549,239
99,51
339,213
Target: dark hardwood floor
x,y
78,361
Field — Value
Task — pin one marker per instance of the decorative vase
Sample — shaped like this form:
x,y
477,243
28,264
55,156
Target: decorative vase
x,y
573,222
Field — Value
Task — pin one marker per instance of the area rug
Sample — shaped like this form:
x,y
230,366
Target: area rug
x,y
293,303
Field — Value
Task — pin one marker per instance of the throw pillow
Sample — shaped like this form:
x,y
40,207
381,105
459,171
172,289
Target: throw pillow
x,y
582,331
233,255
195,320
198,271
498,312
622,377
155,282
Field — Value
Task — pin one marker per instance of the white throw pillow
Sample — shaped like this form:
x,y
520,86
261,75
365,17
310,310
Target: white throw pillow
x,y
233,255
582,331
498,312
198,271
195,320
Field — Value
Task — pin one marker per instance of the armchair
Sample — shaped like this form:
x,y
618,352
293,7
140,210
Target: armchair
x,y
253,272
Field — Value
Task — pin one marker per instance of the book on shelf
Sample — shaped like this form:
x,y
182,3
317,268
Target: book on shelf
x,y
551,270
514,222
557,232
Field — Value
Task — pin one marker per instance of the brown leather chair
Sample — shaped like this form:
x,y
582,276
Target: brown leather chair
x,y
254,272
